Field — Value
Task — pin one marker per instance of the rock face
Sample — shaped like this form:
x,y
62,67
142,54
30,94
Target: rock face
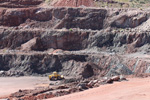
x,y
73,3
53,18
33,44
118,70
73,40
94,19
73,65
131,19
72,28
78,42
19,3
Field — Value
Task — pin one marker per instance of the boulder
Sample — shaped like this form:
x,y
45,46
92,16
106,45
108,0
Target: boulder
x,y
33,44
115,78
2,72
122,78
96,85
92,83
62,87
72,90
82,86
109,80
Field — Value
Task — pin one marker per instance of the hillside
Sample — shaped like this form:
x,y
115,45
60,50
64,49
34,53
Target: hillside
x,y
141,4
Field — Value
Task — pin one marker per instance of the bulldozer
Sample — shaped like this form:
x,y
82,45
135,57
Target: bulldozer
x,y
55,76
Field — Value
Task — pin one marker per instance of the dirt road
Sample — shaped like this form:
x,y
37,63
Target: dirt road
x,y
10,85
134,89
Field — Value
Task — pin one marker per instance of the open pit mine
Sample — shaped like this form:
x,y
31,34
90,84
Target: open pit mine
x,y
89,46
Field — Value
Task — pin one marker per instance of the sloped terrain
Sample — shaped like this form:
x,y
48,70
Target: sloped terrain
x,y
141,4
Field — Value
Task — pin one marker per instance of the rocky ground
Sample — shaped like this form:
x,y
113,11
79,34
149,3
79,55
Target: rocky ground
x,y
85,44
134,89
34,88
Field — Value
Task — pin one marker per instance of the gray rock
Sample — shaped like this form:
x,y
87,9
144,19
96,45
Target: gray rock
x,y
2,72
109,80
82,86
122,78
119,70
115,78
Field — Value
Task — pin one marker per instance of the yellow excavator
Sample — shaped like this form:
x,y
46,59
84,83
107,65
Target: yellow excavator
x,y
55,76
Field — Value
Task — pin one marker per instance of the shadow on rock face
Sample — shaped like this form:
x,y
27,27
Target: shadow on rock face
x,y
88,71
91,70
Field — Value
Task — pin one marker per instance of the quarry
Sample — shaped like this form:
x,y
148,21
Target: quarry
x,y
90,46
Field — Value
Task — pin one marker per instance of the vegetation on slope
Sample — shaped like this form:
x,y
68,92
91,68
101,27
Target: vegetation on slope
x,y
123,3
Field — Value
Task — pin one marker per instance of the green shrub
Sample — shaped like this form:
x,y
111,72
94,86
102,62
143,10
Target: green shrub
x,y
71,29
47,1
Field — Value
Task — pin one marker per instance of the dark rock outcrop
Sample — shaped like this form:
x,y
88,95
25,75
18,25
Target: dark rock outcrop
x,y
49,17
19,3
130,19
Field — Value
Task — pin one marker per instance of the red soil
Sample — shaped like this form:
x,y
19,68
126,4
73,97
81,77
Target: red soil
x,y
134,89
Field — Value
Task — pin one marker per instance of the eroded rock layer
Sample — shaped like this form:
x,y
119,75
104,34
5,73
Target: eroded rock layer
x,y
73,3
40,40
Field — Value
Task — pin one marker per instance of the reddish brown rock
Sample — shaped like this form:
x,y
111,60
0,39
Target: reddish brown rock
x,y
33,44
115,78
130,19
73,3
19,3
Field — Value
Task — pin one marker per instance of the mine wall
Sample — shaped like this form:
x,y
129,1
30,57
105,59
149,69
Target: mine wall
x,y
38,41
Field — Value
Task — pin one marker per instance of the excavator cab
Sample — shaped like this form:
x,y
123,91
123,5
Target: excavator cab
x,y
55,76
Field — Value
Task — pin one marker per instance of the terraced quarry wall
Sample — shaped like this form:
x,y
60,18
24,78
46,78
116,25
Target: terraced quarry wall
x,y
39,40
89,46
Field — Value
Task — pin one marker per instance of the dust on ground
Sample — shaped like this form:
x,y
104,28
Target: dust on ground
x,y
134,89
9,85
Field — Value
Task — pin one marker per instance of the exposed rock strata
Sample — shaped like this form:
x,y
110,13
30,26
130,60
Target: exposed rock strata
x,y
73,65
19,3
86,31
73,3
